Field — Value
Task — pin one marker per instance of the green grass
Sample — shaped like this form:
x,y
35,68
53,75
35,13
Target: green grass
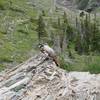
x,y
90,63
2,67
17,46
94,65
17,49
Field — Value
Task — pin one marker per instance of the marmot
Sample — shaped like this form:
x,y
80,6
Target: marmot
x,y
44,48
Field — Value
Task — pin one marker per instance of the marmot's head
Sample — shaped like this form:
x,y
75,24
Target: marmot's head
x,y
40,45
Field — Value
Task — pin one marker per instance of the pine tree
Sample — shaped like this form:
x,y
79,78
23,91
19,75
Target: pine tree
x,y
82,38
78,44
60,34
68,33
95,42
41,28
68,29
65,26
64,30
43,13
65,18
86,35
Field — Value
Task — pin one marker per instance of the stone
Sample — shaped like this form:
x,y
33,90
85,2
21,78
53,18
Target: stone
x,y
40,79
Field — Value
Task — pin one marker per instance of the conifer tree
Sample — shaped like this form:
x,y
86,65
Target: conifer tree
x,y
68,33
41,28
61,34
78,44
95,41
68,29
65,26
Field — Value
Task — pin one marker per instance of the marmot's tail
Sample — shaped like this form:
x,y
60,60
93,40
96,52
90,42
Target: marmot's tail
x,y
55,59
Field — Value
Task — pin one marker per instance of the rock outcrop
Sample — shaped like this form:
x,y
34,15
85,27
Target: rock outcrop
x,y
40,79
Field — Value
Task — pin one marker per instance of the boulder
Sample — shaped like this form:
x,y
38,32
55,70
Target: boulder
x,y
40,79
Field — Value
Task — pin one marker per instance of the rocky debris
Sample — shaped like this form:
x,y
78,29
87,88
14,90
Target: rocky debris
x,y
89,5
40,79
66,3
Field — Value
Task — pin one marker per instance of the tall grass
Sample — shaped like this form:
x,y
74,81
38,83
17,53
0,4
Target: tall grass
x,y
94,65
82,63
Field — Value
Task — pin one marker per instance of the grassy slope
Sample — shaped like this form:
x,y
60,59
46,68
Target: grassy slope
x,y
17,46
86,63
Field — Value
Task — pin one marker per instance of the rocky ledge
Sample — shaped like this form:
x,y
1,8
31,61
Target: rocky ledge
x,y
40,79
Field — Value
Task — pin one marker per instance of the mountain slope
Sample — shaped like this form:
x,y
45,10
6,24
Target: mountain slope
x,y
18,27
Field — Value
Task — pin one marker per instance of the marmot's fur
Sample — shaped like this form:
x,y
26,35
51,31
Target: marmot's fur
x,y
44,48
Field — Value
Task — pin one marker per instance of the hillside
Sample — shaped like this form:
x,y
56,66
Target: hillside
x,y
17,31
19,35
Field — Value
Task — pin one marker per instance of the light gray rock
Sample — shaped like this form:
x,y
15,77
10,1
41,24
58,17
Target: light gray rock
x,y
34,80
49,97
